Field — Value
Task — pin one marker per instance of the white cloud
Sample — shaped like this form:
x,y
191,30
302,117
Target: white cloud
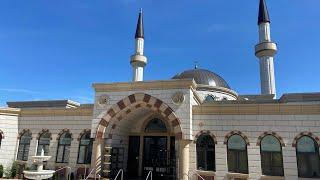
x,y
10,90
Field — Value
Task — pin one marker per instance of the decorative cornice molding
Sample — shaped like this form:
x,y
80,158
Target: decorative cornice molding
x,y
85,111
10,111
256,109
217,89
143,85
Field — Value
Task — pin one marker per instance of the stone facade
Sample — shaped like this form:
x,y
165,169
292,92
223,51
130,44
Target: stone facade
x,y
9,131
124,111
288,127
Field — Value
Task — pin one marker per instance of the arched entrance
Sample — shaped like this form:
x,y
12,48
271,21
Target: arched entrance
x,y
146,131
152,150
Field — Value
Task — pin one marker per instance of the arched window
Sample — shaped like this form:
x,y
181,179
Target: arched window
x,y
237,155
308,157
156,125
63,150
271,156
210,98
44,143
205,153
85,149
24,145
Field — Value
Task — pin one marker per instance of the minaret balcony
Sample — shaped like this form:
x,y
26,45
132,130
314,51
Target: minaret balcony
x,y
266,49
139,60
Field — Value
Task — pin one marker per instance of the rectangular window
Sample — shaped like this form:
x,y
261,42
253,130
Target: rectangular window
x,y
81,158
23,152
238,161
272,163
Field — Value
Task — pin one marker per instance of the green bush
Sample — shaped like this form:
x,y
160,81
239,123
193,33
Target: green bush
x,y
14,169
1,171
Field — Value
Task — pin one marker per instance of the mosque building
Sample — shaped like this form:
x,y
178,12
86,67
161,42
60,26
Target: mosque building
x,y
193,126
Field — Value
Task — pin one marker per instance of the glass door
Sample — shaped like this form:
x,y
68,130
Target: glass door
x,y
155,156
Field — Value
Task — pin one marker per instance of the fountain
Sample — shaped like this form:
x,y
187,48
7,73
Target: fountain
x,y
39,173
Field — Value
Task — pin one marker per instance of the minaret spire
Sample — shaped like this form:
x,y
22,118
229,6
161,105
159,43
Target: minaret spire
x,y
138,60
140,30
263,13
265,51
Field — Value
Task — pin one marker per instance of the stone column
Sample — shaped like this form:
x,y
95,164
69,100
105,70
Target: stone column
x,y
184,146
254,160
96,161
290,162
107,161
221,160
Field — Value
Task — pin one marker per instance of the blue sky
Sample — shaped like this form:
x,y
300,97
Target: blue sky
x,y
57,49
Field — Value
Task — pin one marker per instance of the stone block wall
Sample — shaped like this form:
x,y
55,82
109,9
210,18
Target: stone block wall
x,y
286,126
183,111
9,129
55,125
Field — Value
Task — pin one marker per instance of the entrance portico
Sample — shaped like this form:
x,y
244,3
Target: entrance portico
x,y
139,134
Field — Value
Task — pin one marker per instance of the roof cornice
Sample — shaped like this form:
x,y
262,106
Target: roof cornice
x,y
145,85
256,109
10,111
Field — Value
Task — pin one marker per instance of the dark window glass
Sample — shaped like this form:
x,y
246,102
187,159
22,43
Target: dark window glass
x,y
237,155
85,149
156,125
63,150
308,158
24,145
205,153
44,143
271,156
210,98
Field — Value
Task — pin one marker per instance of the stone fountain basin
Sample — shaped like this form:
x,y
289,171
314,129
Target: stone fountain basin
x,y
40,159
44,174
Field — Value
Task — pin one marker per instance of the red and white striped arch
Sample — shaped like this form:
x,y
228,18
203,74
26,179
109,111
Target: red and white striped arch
x,y
135,101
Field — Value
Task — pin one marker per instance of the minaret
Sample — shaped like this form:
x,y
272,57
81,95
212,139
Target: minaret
x,y
138,60
265,50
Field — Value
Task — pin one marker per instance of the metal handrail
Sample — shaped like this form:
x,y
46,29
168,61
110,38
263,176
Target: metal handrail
x,y
149,174
95,174
121,170
66,167
85,170
195,173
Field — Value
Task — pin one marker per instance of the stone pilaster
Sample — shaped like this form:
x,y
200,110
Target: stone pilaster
x,y
97,160
184,148
290,162
107,161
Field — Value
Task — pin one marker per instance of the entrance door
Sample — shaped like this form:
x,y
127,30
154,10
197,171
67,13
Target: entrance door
x,y
155,157
133,156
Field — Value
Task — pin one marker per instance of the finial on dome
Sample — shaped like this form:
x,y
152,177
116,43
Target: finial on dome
x,y
195,64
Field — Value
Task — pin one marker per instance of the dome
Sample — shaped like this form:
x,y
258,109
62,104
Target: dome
x,y
204,77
